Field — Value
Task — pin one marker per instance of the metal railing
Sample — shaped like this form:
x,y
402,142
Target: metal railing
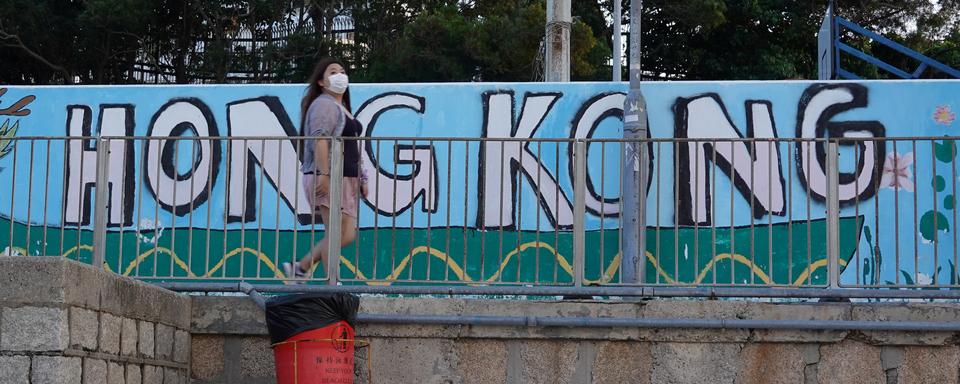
x,y
926,66
763,216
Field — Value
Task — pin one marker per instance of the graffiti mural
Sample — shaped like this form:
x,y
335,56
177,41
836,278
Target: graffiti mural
x,y
491,211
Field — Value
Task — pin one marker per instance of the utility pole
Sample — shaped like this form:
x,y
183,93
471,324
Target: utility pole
x,y
617,37
635,164
557,41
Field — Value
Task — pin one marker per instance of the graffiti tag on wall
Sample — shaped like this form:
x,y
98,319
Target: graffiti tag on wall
x,y
492,197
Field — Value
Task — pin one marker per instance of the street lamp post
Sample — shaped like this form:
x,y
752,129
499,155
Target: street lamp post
x,y
635,163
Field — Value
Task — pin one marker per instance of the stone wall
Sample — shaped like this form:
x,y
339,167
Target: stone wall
x,y
64,322
230,344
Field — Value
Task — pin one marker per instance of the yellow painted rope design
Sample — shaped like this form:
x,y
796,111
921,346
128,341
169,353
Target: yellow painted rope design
x,y
459,271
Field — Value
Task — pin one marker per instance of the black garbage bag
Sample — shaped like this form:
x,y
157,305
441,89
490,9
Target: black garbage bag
x,y
292,314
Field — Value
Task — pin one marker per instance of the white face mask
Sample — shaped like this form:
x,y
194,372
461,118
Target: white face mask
x,y
339,83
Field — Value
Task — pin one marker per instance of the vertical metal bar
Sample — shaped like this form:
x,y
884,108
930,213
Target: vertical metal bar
x,y
789,207
173,213
500,213
676,210
446,261
46,197
620,216
753,233
360,143
696,208
63,200
139,187
916,214
466,206
713,207
194,143
123,160
519,198
360,196
429,215
156,208
896,220
856,206
376,212
393,235
100,203
412,217
80,193
953,173
536,272
226,209
243,221
559,190
210,183
603,204
809,230
770,165
579,207
733,237
833,214
620,227
876,227
643,252
936,228
29,225
276,233
332,228
260,215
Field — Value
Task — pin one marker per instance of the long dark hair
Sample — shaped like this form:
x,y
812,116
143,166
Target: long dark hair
x,y
314,90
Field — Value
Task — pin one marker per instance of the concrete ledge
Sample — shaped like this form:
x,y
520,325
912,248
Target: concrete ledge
x,y
65,322
230,344
239,316
56,281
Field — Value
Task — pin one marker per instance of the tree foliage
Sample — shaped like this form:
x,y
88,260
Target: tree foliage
x,y
118,41
769,39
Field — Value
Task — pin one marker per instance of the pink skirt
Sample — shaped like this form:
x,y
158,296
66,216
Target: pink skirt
x,y
350,196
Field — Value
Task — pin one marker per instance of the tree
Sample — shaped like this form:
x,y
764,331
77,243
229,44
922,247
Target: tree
x,y
482,41
184,41
31,50
91,41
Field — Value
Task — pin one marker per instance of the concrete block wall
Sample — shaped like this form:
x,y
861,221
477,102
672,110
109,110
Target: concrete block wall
x,y
63,322
230,345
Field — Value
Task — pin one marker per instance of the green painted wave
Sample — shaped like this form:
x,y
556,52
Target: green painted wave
x,y
782,254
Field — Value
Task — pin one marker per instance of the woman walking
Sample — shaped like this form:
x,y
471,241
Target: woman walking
x,y
325,114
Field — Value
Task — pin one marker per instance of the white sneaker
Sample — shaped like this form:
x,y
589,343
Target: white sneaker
x,y
293,271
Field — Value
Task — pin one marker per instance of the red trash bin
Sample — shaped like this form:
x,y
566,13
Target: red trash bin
x,y
322,355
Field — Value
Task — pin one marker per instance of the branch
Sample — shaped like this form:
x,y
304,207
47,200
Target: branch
x,y
888,15
136,37
20,44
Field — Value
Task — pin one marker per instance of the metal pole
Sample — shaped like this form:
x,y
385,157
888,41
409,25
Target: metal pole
x,y
579,210
332,229
617,37
833,213
674,323
100,215
834,36
635,163
557,41
619,291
